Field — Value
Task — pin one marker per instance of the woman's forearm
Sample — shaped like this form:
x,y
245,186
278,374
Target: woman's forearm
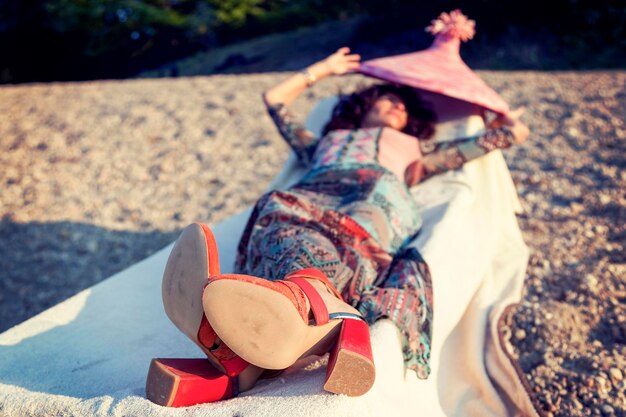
x,y
452,155
288,90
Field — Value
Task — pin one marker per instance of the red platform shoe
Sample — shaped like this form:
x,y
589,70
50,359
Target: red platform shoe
x,y
267,323
184,382
192,261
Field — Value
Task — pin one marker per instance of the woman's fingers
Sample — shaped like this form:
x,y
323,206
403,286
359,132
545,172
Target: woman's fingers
x,y
341,56
520,132
519,129
511,121
341,53
342,61
517,113
353,62
508,119
344,52
513,116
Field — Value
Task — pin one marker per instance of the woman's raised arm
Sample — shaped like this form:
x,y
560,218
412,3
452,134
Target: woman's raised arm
x,y
501,133
302,141
287,91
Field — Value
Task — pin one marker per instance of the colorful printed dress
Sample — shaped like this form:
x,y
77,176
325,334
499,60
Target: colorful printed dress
x,y
352,217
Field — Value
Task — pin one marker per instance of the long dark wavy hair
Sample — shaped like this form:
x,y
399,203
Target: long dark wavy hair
x,y
352,108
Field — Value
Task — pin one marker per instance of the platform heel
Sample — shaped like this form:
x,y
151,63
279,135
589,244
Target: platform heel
x,y
351,369
187,382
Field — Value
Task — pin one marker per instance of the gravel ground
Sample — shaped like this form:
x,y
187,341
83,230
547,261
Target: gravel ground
x,y
96,176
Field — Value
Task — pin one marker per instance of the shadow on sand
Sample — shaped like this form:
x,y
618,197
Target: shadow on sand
x,y
45,263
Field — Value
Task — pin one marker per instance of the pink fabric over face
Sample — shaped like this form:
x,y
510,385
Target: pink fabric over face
x,y
438,69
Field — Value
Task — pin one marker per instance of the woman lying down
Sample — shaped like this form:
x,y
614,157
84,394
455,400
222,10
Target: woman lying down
x,y
321,261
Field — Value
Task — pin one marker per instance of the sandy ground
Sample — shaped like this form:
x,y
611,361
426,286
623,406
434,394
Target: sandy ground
x,y
96,176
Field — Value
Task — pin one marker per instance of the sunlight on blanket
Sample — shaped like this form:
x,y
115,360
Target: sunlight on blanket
x,y
48,320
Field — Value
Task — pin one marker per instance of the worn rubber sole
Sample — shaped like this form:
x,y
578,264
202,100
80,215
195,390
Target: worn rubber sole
x,y
259,324
193,259
351,374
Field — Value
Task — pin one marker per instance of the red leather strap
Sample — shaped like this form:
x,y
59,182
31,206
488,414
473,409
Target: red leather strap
x,y
312,273
318,306
232,364
206,334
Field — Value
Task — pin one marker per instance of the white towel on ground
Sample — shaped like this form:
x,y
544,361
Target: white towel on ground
x,y
89,355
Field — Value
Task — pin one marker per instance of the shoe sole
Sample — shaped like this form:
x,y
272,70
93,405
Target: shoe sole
x,y
193,259
261,325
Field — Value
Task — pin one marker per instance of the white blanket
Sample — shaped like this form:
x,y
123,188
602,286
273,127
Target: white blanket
x,y
89,355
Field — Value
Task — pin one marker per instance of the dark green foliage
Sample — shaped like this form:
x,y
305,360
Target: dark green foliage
x,y
118,24
70,37
76,39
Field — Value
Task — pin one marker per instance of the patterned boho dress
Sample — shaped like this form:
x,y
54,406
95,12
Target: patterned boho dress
x,y
352,218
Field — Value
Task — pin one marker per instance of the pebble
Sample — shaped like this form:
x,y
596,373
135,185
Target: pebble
x,y
607,409
591,280
573,132
599,228
605,199
616,375
601,383
577,404
576,208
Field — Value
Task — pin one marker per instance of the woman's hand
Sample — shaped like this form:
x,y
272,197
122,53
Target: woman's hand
x,y
339,63
511,121
342,62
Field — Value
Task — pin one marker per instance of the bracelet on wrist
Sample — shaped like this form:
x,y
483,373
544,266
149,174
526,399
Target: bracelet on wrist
x,y
309,77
